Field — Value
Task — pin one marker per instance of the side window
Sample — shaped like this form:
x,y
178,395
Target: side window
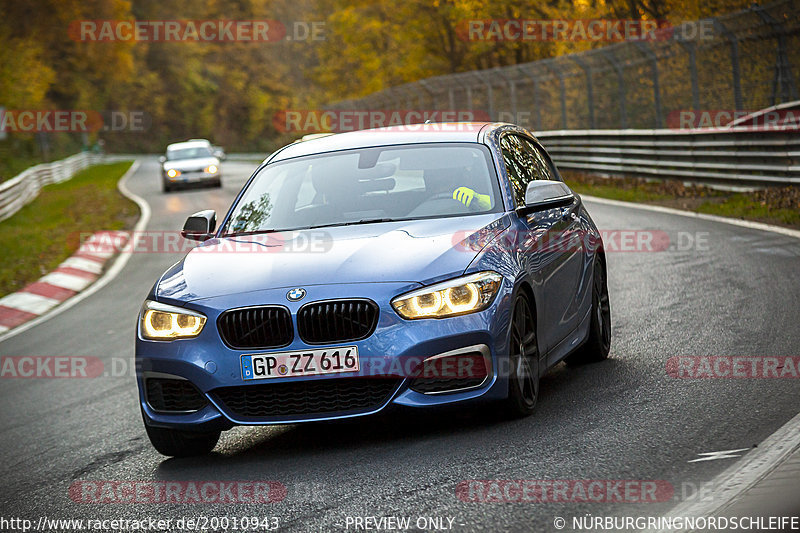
x,y
518,166
540,162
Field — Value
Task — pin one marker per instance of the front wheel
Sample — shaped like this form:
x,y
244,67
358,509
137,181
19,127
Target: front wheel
x,y
523,379
176,443
598,344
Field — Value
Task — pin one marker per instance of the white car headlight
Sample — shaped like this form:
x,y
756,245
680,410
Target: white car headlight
x,y
211,169
164,322
459,296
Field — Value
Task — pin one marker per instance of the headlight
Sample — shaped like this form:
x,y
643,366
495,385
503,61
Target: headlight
x,y
455,297
211,169
163,322
172,173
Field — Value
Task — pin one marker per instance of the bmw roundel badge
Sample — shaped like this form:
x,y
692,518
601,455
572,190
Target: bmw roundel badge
x,y
295,295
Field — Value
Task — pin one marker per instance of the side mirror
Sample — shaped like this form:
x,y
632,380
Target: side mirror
x,y
219,154
162,159
200,226
544,194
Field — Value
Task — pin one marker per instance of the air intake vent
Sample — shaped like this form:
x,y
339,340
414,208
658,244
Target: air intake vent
x,y
450,374
337,321
173,395
312,397
256,327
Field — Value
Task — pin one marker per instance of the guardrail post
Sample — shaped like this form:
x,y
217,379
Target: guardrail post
x,y
783,68
647,52
489,93
560,75
587,70
737,84
623,113
512,92
408,99
691,50
535,90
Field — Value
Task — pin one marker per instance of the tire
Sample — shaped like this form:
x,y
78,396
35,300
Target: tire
x,y
218,184
166,187
598,343
523,379
176,443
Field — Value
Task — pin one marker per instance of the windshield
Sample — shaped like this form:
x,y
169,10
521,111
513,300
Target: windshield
x,y
189,153
368,185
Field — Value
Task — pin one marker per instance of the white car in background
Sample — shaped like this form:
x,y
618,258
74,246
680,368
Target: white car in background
x,y
190,162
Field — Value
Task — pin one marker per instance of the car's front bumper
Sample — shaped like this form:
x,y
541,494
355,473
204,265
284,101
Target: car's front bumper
x,y
192,177
397,346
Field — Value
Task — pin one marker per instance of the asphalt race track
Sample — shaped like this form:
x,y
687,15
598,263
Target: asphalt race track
x,y
736,293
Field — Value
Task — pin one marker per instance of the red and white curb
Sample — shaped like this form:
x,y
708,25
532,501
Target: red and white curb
x,y
71,277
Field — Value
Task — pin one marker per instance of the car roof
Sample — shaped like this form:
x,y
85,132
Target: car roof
x,y
188,144
440,132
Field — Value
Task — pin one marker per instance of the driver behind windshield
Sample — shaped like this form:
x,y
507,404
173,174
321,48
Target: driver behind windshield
x,y
467,192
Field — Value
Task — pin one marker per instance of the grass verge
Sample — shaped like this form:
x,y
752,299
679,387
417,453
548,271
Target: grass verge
x,y
47,231
774,205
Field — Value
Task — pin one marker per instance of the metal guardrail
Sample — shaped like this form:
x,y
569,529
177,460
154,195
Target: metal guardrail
x,y
24,188
247,157
738,156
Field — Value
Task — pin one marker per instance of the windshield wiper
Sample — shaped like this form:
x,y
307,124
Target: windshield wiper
x,y
301,228
353,223
249,233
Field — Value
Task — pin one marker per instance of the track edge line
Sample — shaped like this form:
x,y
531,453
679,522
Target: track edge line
x,y
745,473
691,214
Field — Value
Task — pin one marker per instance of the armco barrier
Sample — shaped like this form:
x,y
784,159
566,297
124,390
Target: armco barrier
x,y
23,188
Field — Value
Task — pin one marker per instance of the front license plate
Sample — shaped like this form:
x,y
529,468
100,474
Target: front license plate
x,y
302,363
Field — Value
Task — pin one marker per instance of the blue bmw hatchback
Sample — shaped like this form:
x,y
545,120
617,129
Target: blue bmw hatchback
x,y
412,266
